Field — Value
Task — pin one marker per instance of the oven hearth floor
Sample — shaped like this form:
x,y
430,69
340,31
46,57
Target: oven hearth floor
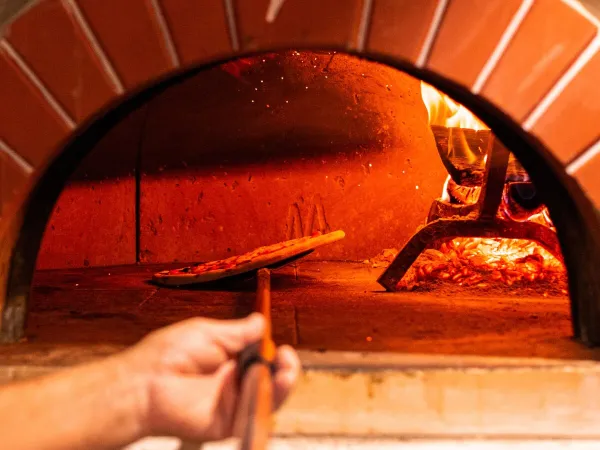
x,y
79,314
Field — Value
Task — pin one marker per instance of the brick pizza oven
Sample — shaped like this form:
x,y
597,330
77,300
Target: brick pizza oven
x,y
141,135
156,116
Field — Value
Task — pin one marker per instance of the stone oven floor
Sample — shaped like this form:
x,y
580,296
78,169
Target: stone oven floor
x,y
83,313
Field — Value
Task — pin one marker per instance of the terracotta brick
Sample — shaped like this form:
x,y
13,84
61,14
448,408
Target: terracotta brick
x,y
550,38
54,46
570,124
28,124
299,23
468,35
589,180
130,35
398,27
13,180
199,29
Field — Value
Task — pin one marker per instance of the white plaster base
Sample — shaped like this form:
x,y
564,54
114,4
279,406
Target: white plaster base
x,y
378,444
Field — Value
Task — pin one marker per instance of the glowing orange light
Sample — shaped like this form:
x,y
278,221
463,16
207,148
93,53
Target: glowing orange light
x,y
446,112
480,262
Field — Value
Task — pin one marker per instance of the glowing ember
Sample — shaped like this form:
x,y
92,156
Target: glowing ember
x,y
483,262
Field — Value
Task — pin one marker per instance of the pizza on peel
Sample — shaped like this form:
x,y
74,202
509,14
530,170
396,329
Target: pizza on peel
x,y
261,257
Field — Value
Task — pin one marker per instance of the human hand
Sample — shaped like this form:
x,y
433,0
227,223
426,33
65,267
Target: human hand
x,y
188,373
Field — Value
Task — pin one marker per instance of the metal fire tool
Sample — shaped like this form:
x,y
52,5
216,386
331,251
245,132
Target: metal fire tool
x,y
256,364
447,221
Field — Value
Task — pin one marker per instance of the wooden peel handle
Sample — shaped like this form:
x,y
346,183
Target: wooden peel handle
x,y
255,403
263,306
252,421
253,417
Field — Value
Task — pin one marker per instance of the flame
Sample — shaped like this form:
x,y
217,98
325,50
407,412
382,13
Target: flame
x,y
444,111
478,262
445,194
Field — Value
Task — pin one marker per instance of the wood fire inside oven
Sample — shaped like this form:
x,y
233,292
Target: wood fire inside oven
x,y
286,145
486,229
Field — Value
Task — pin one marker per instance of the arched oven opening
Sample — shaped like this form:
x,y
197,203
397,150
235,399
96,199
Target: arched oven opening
x,y
471,232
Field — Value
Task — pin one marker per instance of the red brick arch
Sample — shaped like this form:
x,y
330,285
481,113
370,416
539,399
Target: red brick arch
x,y
63,63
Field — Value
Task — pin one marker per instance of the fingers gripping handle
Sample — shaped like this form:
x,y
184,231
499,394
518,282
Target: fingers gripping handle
x,y
249,356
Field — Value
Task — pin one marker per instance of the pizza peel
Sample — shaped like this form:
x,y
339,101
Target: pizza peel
x,y
288,261
246,276
275,260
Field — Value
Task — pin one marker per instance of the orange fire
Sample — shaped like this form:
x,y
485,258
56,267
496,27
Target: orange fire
x,y
446,112
485,263
478,262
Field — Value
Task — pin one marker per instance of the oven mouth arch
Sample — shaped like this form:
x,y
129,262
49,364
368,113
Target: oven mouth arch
x,y
573,214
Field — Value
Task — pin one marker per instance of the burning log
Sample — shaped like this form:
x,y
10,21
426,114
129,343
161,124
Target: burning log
x,y
464,195
463,154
